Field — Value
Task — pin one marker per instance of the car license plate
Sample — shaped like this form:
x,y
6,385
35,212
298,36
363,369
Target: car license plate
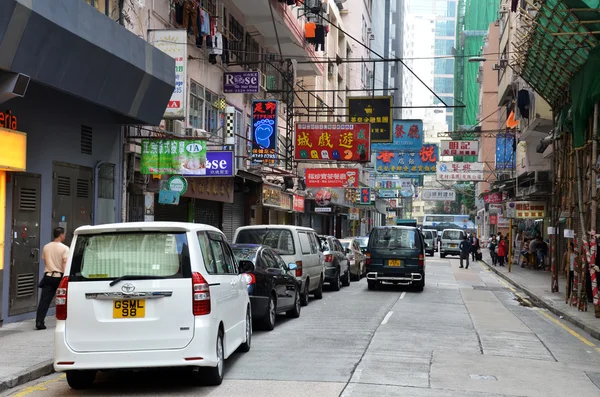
x,y
452,245
394,263
129,308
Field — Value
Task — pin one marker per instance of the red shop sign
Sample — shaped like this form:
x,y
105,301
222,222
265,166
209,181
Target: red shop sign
x,y
333,141
492,198
331,177
493,219
298,203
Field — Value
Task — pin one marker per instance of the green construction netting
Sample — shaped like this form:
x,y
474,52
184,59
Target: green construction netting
x,y
585,92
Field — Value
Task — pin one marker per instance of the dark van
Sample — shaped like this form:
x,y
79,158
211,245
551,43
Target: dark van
x,y
397,255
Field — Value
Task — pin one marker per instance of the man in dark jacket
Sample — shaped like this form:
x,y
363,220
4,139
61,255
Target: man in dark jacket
x,y
465,250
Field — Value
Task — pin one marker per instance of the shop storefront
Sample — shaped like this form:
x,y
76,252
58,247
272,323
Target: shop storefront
x,y
276,206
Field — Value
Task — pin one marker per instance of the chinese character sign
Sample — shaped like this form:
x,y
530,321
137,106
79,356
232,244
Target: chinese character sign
x,y
492,198
174,44
530,209
374,110
333,141
175,157
459,148
460,171
365,195
298,203
264,131
505,152
421,162
407,135
438,195
331,177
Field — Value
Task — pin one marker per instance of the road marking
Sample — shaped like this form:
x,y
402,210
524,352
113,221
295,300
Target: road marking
x,y
569,330
387,317
39,387
402,295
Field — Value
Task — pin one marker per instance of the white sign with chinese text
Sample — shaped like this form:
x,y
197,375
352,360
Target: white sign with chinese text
x,y
438,195
459,171
174,43
459,148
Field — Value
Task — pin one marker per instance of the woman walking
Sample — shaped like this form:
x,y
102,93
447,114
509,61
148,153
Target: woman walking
x,y
501,251
492,249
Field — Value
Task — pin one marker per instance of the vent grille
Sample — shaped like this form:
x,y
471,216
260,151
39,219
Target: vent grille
x,y
25,285
27,199
64,185
83,188
86,139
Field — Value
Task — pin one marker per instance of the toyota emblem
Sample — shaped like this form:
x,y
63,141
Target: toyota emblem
x,y
128,288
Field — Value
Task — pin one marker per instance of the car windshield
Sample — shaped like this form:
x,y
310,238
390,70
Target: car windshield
x,y
363,242
245,253
452,235
113,255
280,240
345,244
395,238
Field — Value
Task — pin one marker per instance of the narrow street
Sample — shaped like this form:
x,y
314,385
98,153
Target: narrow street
x,y
466,335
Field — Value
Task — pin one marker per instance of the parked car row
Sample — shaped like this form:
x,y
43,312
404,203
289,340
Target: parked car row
x,y
169,294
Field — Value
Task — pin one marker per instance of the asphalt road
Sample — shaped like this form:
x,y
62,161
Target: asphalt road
x,y
468,334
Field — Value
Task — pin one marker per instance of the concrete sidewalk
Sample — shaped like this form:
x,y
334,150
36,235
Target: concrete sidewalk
x,y
27,354
537,284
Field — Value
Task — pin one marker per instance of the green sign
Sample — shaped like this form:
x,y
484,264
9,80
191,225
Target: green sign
x,y
163,156
177,184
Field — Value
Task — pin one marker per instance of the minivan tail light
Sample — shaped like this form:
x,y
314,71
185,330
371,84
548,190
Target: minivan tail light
x,y
421,260
329,258
200,295
61,299
298,268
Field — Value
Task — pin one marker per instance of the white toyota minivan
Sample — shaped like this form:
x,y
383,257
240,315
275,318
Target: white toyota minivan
x,y
150,294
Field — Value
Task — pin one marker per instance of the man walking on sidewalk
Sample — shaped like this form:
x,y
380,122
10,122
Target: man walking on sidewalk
x,y
55,256
465,250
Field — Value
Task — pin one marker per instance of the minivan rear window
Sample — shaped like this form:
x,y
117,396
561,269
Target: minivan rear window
x,y
280,240
395,238
112,255
452,235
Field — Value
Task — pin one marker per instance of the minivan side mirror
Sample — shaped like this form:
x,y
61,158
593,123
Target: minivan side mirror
x,y
246,266
292,266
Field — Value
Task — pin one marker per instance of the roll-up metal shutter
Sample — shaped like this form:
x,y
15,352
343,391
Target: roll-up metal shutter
x,y
233,215
208,213
172,213
305,220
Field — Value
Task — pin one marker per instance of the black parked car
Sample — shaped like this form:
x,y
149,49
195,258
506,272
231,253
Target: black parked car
x,y
271,286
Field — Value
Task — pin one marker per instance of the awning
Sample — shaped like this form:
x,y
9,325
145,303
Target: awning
x,y
71,47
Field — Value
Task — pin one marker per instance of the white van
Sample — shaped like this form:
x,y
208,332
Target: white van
x,y
150,294
451,239
295,244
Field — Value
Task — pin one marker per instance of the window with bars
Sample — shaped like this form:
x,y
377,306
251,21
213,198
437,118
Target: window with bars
x,y
214,113
252,49
196,117
236,44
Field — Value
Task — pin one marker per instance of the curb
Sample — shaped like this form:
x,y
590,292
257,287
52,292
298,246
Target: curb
x,y
27,375
594,332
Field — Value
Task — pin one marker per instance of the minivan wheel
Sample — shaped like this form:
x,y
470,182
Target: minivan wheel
x,y
336,284
304,295
346,281
245,347
213,376
269,320
80,380
372,284
319,291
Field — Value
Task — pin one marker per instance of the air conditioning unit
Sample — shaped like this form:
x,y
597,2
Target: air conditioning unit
x,y
200,133
331,69
504,9
178,127
497,67
189,131
503,63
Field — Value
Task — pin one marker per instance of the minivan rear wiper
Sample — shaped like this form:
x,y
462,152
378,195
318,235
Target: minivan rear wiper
x,y
116,280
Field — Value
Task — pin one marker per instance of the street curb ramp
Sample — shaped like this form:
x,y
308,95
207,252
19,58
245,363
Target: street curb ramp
x,y
27,375
542,303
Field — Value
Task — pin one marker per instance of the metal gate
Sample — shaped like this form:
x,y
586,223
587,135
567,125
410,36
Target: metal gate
x,y
233,215
209,213
172,213
25,244
72,197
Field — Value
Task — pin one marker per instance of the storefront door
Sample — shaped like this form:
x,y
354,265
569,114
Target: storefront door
x,y
25,244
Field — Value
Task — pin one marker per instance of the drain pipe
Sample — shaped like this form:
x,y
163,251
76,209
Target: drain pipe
x,y
96,173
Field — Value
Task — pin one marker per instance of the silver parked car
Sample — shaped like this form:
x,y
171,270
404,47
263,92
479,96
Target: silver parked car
x,y
356,257
337,268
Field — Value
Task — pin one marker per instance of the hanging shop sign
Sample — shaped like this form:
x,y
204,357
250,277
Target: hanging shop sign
x,y
264,131
374,110
530,209
333,141
323,197
511,210
496,208
408,163
286,201
165,156
393,204
365,195
13,151
505,152
8,120
271,196
492,198
438,195
174,43
388,193
212,189
459,148
493,219
331,177
177,184
298,203
241,82
503,222
460,171
407,135
168,197
353,214
322,209
220,164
